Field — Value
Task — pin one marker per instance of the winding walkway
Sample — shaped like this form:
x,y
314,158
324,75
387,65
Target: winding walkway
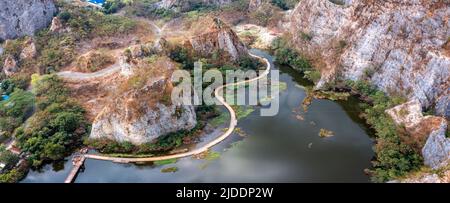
x,y
204,148
71,75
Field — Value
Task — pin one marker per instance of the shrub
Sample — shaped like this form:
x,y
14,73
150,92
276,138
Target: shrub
x,y
15,110
287,56
248,63
305,36
181,55
112,6
313,75
7,157
17,81
263,15
64,16
19,103
12,176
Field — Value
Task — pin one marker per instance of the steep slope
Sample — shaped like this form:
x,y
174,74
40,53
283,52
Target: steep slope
x,y
137,106
218,38
24,17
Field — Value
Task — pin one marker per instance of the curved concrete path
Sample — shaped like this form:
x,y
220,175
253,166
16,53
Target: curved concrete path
x,y
204,148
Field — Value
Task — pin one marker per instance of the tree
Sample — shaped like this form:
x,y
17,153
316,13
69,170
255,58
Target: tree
x,y
7,157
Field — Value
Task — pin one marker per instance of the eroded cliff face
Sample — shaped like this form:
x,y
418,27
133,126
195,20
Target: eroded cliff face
x,y
24,17
137,118
218,38
137,107
400,46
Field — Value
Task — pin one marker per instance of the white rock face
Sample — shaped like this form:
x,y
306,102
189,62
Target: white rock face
x,y
398,45
133,119
436,151
24,17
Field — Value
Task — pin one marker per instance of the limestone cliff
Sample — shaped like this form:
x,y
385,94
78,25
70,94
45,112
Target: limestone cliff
x,y
218,38
139,109
24,17
400,46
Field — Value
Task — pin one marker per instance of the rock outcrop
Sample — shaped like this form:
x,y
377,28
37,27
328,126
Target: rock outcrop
x,y
10,66
424,133
142,111
24,17
219,38
400,46
29,50
138,122
56,25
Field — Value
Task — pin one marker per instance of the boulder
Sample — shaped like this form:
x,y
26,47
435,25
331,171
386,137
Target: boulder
x,y
56,25
10,66
29,50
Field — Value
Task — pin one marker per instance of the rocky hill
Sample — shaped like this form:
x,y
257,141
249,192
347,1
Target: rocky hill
x,y
218,38
24,17
138,108
400,46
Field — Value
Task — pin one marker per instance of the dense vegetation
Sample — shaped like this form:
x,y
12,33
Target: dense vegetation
x,y
15,110
112,6
393,158
286,55
7,157
9,173
217,60
56,127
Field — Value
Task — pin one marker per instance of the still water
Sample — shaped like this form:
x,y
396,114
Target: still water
x,y
282,148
